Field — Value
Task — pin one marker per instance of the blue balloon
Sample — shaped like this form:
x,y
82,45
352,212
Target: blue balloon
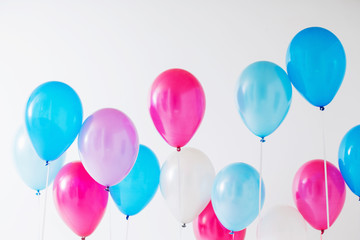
x,y
137,189
53,119
30,167
235,196
263,97
316,65
349,159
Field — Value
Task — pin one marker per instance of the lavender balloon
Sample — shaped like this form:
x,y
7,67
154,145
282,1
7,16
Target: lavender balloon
x,y
108,146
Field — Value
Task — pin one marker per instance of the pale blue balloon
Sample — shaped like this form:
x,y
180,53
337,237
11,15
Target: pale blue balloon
x,y
137,189
30,167
316,64
235,196
263,96
349,159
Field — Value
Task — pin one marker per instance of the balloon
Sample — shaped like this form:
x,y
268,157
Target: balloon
x,y
30,167
186,179
208,227
309,193
316,65
282,223
80,201
349,159
53,119
108,146
263,96
235,196
177,106
137,189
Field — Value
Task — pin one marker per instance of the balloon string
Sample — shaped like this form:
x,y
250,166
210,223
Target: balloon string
x,y
180,232
127,227
260,173
325,168
233,237
110,221
179,185
45,200
39,213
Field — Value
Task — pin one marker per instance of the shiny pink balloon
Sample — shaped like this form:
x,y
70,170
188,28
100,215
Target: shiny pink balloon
x,y
177,106
80,201
310,196
208,227
108,146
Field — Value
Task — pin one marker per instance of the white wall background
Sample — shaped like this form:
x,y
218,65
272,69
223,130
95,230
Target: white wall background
x,y
111,51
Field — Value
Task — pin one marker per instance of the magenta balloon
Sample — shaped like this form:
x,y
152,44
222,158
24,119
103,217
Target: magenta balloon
x,y
108,146
208,227
80,201
309,193
177,106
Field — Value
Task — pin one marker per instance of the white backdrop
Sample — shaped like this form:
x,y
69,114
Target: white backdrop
x,y
111,51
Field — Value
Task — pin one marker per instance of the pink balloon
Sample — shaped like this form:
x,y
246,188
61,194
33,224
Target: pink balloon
x,y
80,201
108,146
177,106
208,227
309,193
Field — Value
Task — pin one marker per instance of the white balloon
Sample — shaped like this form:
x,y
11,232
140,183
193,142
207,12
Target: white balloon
x,y
282,223
186,181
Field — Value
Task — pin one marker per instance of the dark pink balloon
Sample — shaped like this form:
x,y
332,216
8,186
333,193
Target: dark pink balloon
x,y
108,146
177,106
80,201
208,227
310,196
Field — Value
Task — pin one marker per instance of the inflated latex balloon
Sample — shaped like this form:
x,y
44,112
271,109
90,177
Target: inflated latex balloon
x,y
316,64
177,106
186,179
53,119
309,193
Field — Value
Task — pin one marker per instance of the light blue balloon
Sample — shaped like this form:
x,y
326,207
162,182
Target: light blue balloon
x,y
263,97
53,119
235,196
137,189
349,159
30,167
316,65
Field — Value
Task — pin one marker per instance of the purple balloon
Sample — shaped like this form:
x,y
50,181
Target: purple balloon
x,y
108,146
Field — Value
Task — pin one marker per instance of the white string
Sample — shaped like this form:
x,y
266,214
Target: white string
x,y
127,228
45,198
38,195
233,236
325,169
179,185
180,232
260,178
110,221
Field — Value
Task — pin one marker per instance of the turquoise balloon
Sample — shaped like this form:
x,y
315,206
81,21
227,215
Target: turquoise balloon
x,y
235,196
316,65
53,119
349,159
137,189
263,96
30,167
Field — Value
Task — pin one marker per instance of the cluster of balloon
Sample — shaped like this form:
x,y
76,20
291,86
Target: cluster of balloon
x,y
349,162
282,223
208,227
235,196
177,107
309,193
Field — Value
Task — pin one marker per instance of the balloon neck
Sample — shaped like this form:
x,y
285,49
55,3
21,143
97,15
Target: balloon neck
x,y
262,140
38,193
359,198
127,217
178,149
322,108
47,163
107,189
231,232
82,238
184,225
322,231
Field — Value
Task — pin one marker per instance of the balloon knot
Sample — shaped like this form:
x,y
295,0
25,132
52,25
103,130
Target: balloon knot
x,y
262,140
359,198
184,225
47,163
178,149
82,238
107,189
322,231
127,217
231,232
322,108
38,193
